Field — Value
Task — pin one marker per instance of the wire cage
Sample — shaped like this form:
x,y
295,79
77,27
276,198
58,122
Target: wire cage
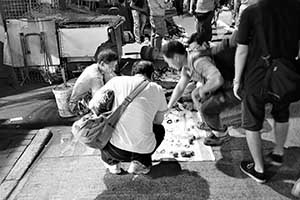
x,y
16,9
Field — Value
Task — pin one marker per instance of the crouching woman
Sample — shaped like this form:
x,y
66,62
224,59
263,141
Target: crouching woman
x,y
139,131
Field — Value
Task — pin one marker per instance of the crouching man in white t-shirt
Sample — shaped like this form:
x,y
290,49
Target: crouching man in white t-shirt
x,y
139,131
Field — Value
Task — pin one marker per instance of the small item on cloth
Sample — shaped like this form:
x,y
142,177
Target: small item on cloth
x,y
187,154
175,154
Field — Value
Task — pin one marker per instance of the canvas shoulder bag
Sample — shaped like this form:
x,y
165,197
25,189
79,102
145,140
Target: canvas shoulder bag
x,y
96,131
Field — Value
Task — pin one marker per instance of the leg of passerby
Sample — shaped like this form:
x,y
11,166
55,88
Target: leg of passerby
x,y
296,189
281,131
178,4
253,112
254,144
235,12
136,25
159,30
143,21
180,7
203,24
211,109
280,113
207,25
199,22
276,156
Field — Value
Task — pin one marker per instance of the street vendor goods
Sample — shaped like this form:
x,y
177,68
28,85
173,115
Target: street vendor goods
x,y
183,139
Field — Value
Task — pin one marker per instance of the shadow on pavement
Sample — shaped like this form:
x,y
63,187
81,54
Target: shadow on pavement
x,y
280,179
8,91
12,146
284,176
43,116
43,95
165,181
233,152
165,169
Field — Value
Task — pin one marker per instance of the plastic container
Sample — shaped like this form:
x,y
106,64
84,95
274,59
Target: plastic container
x,y
62,96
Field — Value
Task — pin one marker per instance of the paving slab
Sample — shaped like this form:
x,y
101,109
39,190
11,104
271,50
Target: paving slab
x,y
16,160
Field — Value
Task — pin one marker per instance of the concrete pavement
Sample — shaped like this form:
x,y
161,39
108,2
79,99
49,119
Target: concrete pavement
x,y
18,150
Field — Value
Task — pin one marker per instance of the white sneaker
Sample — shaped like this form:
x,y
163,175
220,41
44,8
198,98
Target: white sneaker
x,y
137,168
113,169
296,189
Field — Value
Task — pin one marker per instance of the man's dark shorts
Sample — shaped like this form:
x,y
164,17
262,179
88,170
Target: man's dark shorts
x,y
253,111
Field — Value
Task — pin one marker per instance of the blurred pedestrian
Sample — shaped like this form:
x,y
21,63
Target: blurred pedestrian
x,y
178,4
157,21
140,12
203,10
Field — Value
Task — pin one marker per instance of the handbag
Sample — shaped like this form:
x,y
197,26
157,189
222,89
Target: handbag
x,y
96,131
281,82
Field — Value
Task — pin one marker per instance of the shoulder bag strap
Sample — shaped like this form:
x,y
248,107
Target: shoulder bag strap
x,y
115,116
266,56
135,92
261,34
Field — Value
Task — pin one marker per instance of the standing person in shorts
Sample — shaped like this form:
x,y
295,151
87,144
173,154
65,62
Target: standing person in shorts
x,y
282,34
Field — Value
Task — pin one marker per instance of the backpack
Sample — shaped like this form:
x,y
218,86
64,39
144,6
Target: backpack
x,y
282,81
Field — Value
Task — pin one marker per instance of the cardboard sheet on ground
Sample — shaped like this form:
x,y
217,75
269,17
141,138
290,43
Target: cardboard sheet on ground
x,y
181,129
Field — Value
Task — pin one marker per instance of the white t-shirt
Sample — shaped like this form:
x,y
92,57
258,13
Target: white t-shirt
x,y
90,80
134,130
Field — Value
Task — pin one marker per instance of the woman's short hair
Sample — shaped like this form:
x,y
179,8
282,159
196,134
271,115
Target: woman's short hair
x,y
107,56
143,67
173,47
